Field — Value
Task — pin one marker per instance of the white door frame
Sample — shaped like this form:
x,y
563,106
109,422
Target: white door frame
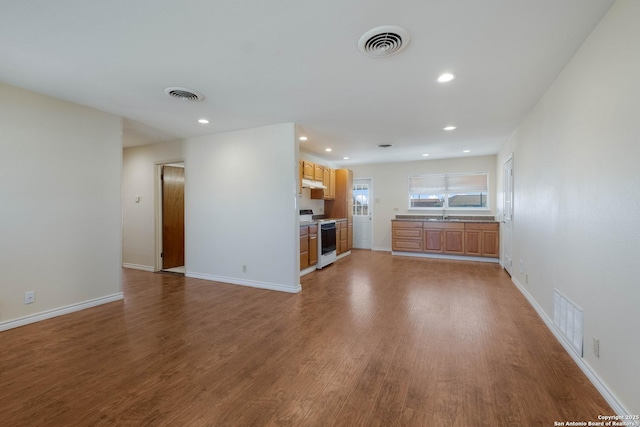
x,y
371,211
507,217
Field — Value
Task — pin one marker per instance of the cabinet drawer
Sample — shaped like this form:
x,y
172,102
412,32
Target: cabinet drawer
x,y
481,226
407,245
444,225
406,224
407,233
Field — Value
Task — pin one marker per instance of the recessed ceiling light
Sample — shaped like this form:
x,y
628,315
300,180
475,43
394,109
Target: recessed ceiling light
x,y
446,77
449,128
345,158
303,138
466,151
203,121
425,155
327,149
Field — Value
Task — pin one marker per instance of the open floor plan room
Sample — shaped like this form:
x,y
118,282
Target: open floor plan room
x,y
372,340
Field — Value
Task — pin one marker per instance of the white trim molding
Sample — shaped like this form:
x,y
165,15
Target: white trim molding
x,y
44,315
608,395
138,267
250,283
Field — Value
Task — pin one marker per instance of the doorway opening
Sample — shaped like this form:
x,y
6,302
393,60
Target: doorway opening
x,y
170,218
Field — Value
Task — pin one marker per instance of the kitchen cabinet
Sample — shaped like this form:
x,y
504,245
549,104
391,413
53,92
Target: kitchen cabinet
x,y
313,245
406,236
342,205
308,245
444,237
482,239
318,172
341,237
328,180
308,170
304,246
479,239
349,236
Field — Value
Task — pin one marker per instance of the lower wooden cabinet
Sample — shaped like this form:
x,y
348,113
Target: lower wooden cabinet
x,y
304,247
342,237
406,236
482,239
446,237
308,246
313,245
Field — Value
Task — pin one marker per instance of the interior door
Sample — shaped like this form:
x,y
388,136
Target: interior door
x,y
507,216
172,217
362,213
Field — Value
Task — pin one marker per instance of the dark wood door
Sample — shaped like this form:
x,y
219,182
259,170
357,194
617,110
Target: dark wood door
x,y
172,216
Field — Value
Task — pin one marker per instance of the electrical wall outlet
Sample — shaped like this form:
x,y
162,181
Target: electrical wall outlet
x,y
29,297
596,347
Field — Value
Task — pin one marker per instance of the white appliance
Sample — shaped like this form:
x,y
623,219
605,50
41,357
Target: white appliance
x,y
326,242
326,238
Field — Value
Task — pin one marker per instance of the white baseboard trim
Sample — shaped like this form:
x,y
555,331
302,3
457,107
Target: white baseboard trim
x,y
307,270
344,254
250,283
445,256
44,315
138,267
381,249
608,395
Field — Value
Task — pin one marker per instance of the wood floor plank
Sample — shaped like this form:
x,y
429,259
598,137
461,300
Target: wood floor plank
x,y
373,339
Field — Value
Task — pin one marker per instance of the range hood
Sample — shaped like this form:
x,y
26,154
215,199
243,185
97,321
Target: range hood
x,y
307,183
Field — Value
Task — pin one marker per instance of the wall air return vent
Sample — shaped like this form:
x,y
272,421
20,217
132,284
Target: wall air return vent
x,y
383,41
184,94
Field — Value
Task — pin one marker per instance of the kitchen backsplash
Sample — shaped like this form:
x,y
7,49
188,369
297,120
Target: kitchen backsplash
x,y
306,202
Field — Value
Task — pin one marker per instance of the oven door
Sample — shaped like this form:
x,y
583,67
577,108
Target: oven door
x,y
328,237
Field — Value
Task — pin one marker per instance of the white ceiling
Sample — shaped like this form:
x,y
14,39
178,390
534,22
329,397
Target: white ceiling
x,y
266,62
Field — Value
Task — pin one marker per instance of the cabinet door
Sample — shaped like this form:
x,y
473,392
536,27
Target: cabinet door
x,y
433,240
349,236
490,242
472,242
454,242
313,249
304,247
332,183
308,170
318,172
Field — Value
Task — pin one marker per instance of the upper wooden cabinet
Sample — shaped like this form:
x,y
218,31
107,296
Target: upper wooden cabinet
x,y
318,172
308,170
329,181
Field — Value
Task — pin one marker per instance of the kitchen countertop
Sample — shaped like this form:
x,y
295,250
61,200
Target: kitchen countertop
x,y
431,218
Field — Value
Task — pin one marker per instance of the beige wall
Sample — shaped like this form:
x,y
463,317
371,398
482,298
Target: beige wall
x,y
577,198
60,204
391,192
139,176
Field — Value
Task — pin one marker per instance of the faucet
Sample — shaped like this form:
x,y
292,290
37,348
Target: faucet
x,y
444,214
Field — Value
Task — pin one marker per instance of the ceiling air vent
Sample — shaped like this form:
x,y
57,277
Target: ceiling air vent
x,y
384,145
383,41
184,94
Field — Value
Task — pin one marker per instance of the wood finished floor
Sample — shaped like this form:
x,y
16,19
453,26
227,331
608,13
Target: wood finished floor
x,y
373,340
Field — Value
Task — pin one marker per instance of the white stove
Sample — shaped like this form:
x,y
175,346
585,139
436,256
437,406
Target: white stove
x,y
326,238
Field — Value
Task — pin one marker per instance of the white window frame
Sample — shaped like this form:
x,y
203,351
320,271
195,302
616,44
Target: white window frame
x,y
445,191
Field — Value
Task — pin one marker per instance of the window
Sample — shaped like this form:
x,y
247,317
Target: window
x,y
448,191
360,199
